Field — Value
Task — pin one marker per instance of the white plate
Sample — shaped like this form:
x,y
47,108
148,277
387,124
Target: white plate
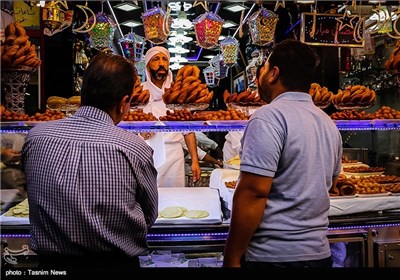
x,y
33,123
365,174
373,194
352,164
343,196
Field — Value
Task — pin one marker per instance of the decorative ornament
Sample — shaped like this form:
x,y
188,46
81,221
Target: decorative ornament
x,y
241,24
209,77
102,33
279,4
86,27
52,16
132,46
157,25
230,48
220,69
141,67
207,28
314,23
394,25
204,4
262,26
382,17
346,20
359,29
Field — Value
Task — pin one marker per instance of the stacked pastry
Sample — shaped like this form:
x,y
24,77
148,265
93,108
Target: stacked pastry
x,y
187,88
139,96
245,98
343,187
17,50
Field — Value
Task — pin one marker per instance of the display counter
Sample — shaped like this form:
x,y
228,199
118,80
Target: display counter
x,y
364,235
369,227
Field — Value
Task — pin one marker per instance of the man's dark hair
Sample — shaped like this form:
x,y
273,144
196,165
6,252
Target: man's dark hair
x,y
107,80
296,62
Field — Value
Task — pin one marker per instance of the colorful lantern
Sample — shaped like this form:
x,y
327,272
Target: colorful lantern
x,y
52,16
102,34
207,28
132,46
262,26
220,69
157,25
230,49
210,77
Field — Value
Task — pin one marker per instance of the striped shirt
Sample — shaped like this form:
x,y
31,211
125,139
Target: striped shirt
x,y
91,186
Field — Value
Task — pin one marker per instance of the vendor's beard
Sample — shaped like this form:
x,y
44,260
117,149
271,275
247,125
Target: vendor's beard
x,y
157,76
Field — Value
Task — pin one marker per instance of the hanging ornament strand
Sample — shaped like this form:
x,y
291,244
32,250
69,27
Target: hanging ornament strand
x,y
204,4
314,24
279,4
241,23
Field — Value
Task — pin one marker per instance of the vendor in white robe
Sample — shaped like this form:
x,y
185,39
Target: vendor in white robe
x,y
169,158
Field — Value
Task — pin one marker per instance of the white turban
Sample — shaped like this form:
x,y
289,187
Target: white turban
x,y
156,92
155,50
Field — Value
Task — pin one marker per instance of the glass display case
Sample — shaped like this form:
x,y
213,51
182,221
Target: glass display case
x,y
356,233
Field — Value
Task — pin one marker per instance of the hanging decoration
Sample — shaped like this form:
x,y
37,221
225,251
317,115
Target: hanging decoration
x,y
157,25
279,4
102,33
346,21
132,46
86,27
52,16
207,28
381,15
204,4
209,77
220,69
262,26
394,25
229,48
55,18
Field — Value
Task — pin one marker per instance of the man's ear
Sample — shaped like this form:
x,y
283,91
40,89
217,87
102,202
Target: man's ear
x,y
122,103
274,75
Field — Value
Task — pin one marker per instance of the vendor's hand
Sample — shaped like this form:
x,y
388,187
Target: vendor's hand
x,y
146,135
9,156
196,171
219,163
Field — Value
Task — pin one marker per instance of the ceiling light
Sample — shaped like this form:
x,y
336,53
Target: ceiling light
x,y
131,23
127,7
229,24
377,1
178,59
179,23
177,32
305,2
179,50
235,8
175,66
209,56
176,6
222,37
179,38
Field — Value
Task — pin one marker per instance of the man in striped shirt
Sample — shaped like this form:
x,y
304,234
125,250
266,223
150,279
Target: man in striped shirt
x,y
91,186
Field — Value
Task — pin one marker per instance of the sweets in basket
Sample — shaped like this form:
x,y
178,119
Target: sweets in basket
x,y
321,96
245,98
17,50
140,96
187,91
354,97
